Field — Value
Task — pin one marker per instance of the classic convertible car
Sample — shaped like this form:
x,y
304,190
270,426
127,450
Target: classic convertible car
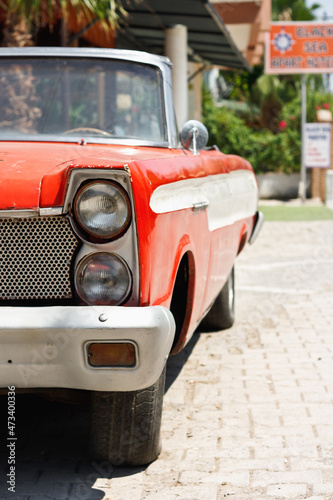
x,y
116,238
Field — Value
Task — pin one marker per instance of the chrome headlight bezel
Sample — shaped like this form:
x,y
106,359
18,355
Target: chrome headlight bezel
x,y
117,195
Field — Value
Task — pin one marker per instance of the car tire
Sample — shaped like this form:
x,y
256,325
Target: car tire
x,y
222,313
125,426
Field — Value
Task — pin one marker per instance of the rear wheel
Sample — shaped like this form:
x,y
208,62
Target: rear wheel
x,y
125,426
222,312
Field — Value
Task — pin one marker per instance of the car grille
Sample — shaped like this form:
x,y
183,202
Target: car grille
x,y
35,258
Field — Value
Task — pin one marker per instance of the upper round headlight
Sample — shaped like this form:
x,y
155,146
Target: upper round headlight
x,y
102,209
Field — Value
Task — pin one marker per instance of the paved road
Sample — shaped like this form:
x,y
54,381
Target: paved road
x,y
248,412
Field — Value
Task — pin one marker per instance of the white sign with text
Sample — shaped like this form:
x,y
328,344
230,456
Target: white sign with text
x,y
318,145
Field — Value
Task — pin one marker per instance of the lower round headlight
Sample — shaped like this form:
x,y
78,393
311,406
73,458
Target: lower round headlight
x,y
103,279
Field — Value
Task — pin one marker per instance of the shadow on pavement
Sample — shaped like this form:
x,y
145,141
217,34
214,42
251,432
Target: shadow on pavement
x,y
176,363
51,450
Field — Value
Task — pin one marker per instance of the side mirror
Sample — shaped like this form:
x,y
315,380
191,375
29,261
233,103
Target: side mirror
x,y
194,136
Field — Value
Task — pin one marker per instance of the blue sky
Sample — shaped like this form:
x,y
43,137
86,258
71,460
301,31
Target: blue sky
x,y
327,7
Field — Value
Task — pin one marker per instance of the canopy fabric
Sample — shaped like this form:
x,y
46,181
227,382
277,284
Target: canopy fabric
x,y
208,39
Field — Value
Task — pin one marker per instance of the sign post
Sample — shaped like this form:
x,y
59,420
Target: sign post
x,y
302,184
300,48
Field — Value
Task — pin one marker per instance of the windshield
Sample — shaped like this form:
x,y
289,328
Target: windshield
x,y
84,98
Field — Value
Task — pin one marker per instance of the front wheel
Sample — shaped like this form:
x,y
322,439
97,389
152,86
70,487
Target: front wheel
x,y
125,426
222,313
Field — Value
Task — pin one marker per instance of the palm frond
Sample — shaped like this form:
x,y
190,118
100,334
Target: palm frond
x,y
109,12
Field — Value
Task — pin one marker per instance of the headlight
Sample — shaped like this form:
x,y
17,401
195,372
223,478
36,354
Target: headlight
x,y
102,209
103,279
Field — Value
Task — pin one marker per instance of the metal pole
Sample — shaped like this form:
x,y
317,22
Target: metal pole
x,y
176,49
302,184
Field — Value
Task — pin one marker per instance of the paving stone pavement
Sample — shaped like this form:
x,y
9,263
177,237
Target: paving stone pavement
x,y
248,412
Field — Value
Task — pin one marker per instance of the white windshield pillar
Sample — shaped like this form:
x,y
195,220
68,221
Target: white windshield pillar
x,y
176,50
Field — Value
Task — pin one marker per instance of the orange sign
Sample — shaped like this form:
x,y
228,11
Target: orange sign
x,y
299,47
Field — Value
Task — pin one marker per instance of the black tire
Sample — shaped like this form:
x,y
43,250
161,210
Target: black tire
x,y
222,313
125,426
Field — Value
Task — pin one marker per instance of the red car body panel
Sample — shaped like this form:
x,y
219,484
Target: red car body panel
x,y
35,175
118,234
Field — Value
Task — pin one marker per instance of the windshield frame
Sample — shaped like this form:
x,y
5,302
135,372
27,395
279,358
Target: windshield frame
x,y
159,62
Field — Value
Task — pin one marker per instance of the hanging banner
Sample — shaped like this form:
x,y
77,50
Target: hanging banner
x,y
299,47
317,145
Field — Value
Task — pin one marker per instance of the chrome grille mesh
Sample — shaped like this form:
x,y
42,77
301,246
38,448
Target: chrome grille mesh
x,y
35,258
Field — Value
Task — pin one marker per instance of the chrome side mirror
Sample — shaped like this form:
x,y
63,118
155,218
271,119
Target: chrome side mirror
x,y
194,136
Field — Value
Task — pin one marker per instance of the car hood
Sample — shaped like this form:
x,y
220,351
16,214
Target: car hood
x,y
34,175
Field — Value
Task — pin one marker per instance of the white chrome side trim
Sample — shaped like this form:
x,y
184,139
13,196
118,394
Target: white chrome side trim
x,y
18,214
23,214
51,211
228,197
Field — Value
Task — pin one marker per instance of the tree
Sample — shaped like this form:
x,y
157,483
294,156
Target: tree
x,y
274,92
293,10
268,92
270,138
23,18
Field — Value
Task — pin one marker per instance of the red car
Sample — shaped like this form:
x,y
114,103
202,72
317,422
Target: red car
x,y
116,239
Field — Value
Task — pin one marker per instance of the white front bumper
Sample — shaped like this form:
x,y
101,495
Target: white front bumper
x,y
47,346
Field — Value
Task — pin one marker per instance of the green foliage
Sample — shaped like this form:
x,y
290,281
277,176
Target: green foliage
x,y
277,146
266,151
270,140
242,82
291,213
295,10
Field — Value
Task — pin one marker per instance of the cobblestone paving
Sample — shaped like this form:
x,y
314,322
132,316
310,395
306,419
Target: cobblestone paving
x,y
248,412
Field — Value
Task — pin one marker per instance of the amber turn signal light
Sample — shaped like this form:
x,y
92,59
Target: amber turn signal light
x,y
112,354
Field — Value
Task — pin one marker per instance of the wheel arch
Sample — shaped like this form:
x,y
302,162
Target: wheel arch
x,y
182,299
